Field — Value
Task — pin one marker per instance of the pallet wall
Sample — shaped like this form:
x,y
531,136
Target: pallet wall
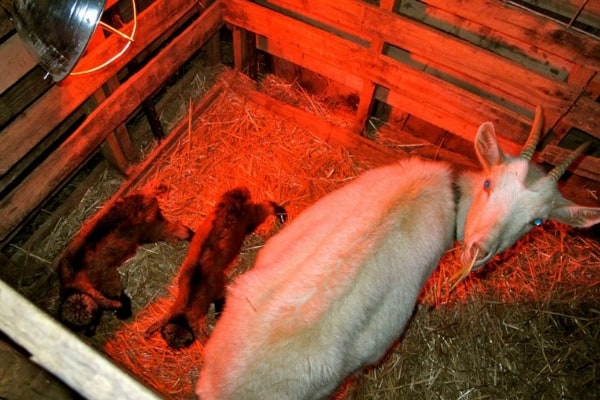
x,y
453,64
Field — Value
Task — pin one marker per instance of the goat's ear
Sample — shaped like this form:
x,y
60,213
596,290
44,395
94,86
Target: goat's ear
x,y
567,212
486,146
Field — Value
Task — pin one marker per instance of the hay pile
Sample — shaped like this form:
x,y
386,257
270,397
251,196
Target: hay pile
x,y
527,327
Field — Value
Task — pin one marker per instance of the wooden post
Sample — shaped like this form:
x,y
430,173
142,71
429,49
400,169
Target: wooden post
x,y
213,50
365,103
244,52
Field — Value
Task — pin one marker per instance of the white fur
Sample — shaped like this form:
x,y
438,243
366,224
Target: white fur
x,y
331,292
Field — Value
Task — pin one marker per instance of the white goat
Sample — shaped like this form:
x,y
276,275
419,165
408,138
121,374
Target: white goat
x,y
331,292
511,195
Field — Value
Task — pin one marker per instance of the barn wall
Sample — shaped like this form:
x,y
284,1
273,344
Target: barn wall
x,y
49,130
452,64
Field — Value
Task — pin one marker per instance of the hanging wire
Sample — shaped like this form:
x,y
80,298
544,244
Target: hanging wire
x,y
569,25
128,38
581,7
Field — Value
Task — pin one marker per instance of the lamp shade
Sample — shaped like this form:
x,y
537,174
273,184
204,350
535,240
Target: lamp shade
x,y
57,32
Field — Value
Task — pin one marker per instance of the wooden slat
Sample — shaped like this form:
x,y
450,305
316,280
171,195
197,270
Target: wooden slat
x,y
16,61
18,97
13,177
585,115
47,112
590,15
62,353
429,96
342,15
528,28
588,166
119,106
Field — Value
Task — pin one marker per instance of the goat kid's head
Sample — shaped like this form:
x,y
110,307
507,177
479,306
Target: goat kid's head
x,y
511,195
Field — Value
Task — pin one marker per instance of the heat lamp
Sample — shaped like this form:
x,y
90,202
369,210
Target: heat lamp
x,y
56,32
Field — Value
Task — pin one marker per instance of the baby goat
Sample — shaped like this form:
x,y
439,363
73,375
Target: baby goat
x,y
87,268
202,276
331,291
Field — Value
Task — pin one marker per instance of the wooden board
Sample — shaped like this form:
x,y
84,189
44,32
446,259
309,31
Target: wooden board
x,y
62,353
16,61
588,167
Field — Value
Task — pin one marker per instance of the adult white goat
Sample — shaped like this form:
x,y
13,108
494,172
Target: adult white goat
x,y
331,291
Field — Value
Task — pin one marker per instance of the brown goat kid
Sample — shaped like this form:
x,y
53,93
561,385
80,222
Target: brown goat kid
x,y
89,279
202,277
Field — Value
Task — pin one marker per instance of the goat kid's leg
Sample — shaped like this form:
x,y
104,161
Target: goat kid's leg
x,y
124,311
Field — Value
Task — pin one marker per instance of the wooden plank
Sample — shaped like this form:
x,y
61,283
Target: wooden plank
x,y
18,97
63,354
590,15
493,73
359,146
425,149
527,28
16,61
16,173
587,166
48,111
451,117
427,93
59,165
342,15
23,379
585,115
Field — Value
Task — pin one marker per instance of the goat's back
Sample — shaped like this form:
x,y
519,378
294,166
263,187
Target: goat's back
x,y
332,290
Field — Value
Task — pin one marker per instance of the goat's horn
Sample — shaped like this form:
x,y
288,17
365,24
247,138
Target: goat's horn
x,y
534,135
560,169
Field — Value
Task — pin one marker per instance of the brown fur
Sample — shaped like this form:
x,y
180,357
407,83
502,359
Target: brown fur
x,y
87,269
202,276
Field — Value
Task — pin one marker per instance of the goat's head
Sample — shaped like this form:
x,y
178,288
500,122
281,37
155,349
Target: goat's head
x,y
501,203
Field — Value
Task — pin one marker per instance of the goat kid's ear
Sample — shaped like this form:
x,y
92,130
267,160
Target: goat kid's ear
x,y
486,146
575,215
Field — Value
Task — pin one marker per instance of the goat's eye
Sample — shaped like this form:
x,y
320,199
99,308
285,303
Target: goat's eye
x,y
537,221
486,185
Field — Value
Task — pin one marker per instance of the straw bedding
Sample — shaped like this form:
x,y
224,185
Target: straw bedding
x,y
527,327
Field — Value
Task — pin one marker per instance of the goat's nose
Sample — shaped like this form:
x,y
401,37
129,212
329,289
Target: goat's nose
x,y
472,252
477,254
